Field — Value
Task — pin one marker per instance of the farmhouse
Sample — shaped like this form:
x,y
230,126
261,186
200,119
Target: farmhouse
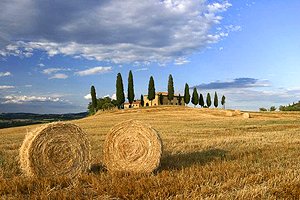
x,y
161,98
135,104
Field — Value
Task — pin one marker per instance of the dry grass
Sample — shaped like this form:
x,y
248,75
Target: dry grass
x,y
206,155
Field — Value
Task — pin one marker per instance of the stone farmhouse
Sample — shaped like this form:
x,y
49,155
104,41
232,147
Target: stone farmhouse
x,y
164,101
135,104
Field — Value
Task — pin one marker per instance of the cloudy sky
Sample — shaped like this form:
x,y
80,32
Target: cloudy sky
x,y
51,52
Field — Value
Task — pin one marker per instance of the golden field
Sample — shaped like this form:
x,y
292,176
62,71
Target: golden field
x,y
207,155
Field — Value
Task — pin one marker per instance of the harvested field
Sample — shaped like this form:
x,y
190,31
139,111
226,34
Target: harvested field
x,y
206,155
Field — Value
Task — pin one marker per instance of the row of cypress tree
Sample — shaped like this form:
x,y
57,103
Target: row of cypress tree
x,y
120,96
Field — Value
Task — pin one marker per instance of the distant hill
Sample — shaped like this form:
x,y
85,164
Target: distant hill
x,y
21,119
293,107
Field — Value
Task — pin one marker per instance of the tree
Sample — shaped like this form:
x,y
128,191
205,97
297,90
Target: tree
x,y
263,109
94,99
201,101
179,99
223,101
170,89
161,99
195,97
208,100
130,91
120,91
273,108
151,90
187,96
142,100
216,103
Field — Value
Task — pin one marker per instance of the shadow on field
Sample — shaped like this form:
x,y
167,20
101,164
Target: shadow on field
x,y
179,161
97,168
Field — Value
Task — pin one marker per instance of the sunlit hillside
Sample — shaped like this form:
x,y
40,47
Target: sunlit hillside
x,y
206,155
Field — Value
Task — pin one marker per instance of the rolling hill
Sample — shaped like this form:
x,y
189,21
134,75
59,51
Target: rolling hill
x,y
206,155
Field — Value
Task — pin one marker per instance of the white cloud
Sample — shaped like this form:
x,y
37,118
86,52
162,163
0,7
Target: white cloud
x,y
95,70
59,76
3,87
2,74
88,97
114,97
41,65
141,69
115,31
28,85
51,70
13,99
181,61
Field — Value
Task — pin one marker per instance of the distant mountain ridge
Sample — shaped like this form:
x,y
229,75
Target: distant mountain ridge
x,y
21,119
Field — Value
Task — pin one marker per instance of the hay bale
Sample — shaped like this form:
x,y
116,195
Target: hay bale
x,y
132,146
246,115
229,113
55,149
237,112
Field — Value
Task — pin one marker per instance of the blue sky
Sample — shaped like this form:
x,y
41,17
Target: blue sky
x,y
52,52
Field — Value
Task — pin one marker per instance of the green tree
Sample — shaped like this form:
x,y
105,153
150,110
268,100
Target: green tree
x,y
161,99
273,108
223,101
151,90
170,89
208,100
94,99
216,100
130,91
263,109
120,91
195,97
179,99
187,95
142,100
201,101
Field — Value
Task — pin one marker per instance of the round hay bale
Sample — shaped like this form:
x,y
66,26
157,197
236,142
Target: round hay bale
x,y
229,113
132,146
246,115
56,149
237,112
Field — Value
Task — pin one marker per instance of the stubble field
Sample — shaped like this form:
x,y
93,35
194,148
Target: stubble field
x,y
207,155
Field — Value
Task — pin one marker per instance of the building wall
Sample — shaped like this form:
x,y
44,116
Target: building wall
x,y
156,101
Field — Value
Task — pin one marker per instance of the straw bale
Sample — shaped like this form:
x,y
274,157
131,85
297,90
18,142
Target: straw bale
x,y
132,146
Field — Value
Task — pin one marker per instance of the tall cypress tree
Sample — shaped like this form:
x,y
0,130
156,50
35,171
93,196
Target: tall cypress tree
x,y
120,91
179,99
161,99
223,101
94,98
216,103
201,101
208,100
130,91
187,96
170,89
151,90
142,100
195,97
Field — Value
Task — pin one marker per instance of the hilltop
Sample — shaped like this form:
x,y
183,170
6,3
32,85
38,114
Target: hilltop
x,y
206,155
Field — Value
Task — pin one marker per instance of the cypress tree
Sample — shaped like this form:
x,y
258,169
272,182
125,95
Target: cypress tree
x,y
170,89
94,98
120,91
179,99
208,100
161,99
151,90
223,101
130,91
216,103
201,101
142,100
187,94
195,97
